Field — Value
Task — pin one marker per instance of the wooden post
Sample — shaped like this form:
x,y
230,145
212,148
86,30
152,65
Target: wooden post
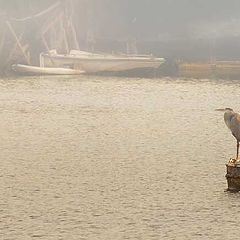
x,y
45,43
73,29
47,48
74,35
233,175
14,49
18,42
64,36
2,41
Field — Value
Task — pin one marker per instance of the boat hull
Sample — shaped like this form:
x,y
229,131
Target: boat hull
x,y
104,64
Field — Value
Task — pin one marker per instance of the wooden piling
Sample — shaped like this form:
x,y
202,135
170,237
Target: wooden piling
x,y
65,39
74,34
25,55
233,175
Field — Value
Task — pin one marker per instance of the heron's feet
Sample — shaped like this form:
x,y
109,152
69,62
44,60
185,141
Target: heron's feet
x,y
237,161
233,161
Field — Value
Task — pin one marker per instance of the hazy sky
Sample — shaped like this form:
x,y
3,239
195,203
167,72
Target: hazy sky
x,y
147,19
166,18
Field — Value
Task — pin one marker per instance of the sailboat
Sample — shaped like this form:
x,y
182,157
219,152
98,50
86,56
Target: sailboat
x,y
90,62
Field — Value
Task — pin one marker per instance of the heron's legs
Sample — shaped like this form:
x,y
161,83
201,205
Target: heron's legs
x,y
237,149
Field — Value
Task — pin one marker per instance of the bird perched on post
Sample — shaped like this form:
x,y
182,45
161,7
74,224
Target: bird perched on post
x,y
232,120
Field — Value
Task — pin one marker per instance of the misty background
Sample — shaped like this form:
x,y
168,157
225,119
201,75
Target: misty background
x,y
186,29
175,29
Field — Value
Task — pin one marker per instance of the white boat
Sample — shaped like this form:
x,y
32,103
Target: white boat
x,y
33,70
94,63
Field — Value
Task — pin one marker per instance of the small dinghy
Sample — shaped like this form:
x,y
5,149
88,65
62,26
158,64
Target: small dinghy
x,y
33,70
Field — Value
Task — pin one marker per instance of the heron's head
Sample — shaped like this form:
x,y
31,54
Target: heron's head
x,y
224,109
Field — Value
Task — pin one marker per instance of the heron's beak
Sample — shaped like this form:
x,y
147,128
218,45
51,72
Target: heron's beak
x,y
220,109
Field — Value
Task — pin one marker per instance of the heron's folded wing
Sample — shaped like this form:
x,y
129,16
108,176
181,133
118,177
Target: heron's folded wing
x,y
235,125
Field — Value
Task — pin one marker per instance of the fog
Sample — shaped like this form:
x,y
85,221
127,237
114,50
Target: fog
x,y
176,29
206,27
146,19
165,19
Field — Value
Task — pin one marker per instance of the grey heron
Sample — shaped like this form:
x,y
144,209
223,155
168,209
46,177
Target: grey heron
x,y
232,120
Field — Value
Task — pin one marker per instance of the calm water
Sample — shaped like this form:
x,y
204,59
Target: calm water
x,y
104,158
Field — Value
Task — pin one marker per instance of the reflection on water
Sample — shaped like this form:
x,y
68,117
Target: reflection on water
x,y
104,158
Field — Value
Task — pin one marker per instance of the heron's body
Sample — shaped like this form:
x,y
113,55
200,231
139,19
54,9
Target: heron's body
x,y
232,120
